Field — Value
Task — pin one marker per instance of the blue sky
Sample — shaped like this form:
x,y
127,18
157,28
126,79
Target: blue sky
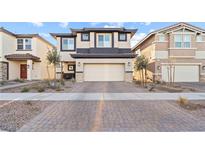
x,y
44,28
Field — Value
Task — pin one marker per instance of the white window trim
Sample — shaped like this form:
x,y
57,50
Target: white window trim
x,y
182,34
24,44
73,49
104,40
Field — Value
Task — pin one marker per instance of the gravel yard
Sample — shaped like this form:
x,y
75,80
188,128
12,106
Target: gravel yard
x,y
41,87
14,115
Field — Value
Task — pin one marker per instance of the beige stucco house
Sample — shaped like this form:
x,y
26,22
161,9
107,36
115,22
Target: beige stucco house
x,y
96,54
23,56
178,50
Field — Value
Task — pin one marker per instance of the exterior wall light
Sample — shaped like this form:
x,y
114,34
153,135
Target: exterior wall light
x,y
158,67
203,67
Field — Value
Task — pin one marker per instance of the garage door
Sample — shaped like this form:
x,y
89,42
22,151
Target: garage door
x,y
104,72
182,73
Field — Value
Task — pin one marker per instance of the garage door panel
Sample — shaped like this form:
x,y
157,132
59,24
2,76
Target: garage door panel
x,y
103,72
182,73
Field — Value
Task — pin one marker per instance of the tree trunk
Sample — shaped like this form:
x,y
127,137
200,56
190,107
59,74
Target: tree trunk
x,y
48,73
61,71
142,77
145,76
54,72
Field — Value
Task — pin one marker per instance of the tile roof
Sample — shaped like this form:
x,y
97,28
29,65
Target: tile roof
x,y
19,57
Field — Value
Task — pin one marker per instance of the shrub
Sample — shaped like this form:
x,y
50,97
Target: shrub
x,y
58,88
2,83
73,80
25,89
41,89
62,82
182,101
19,80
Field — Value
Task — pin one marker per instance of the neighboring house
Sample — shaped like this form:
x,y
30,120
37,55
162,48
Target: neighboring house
x,y
181,47
23,56
96,54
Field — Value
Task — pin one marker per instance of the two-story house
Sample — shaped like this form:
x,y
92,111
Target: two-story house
x,y
96,54
177,51
23,56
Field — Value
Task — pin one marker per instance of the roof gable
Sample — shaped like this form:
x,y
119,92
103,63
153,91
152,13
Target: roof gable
x,y
172,28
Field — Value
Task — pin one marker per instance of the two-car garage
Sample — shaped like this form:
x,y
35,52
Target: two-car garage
x,y
104,72
181,73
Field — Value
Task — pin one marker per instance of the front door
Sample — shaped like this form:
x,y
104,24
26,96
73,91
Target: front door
x,y
23,71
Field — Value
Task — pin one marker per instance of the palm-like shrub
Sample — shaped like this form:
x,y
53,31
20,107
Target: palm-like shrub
x,y
141,65
53,57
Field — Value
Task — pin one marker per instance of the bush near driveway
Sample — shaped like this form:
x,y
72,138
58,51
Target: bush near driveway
x,y
25,89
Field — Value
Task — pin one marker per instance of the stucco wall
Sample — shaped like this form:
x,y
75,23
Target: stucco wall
x,y
44,70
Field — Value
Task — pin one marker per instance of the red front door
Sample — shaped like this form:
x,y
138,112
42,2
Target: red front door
x,y
23,71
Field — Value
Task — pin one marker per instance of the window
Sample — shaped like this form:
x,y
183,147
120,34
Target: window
x,y
178,41
68,44
122,37
161,38
182,41
85,37
24,44
20,44
199,38
187,41
28,44
104,40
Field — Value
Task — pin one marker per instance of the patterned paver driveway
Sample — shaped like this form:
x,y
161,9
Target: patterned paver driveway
x,y
106,87
117,116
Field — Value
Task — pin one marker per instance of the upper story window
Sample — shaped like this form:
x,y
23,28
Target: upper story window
x,y
104,40
199,38
24,44
161,38
85,37
67,44
187,41
122,37
182,41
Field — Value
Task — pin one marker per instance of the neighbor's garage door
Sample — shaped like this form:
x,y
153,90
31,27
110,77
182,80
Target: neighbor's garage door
x,y
104,72
182,73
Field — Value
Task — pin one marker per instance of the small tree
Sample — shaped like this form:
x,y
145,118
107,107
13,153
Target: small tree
x,y
141,65
53,58
171,71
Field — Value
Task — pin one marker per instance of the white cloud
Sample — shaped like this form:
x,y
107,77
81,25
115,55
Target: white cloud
x,y
136,38
63,24
37,24
114,25
145,23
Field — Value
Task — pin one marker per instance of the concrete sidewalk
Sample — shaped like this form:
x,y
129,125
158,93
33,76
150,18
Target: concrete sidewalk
x,y
98,96
18,85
